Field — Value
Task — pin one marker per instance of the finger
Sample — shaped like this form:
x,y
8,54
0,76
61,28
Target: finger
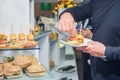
x,y
74,28
78,48
68,28
92,42
71,28
63,25
59,26
85,49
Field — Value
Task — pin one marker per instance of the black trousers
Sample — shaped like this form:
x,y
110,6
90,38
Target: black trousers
x,y
83,68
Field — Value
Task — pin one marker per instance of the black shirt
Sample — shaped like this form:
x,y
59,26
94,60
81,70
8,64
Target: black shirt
x,y
106,29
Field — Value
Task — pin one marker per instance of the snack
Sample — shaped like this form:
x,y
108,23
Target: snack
x,y
36,30
11,71
30,43
21,37
33,59
15,44
1,73
35,70
76,39
13,36
53,36
30,37
3,41
22,60
8,64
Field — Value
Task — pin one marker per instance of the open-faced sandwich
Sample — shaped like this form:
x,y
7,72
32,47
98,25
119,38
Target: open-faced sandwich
x,y
12,71
22,60
35,70
76,39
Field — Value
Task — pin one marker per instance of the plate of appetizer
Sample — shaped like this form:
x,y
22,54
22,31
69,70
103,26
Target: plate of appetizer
x,y
75,40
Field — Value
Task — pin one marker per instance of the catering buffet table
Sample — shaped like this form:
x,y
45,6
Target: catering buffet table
x,y
43,56
53,75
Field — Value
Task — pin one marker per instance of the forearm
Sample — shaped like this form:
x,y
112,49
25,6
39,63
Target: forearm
x,y
82,11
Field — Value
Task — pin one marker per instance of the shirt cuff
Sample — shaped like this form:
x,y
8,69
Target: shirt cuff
x,y
108,53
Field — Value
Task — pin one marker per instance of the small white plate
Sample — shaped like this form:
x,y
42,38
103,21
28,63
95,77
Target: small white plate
x,y
85,42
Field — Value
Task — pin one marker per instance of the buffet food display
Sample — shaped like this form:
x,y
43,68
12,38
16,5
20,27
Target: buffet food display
x,y
23,41
20,64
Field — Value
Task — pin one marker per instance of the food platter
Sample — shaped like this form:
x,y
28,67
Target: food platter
x,y
85,42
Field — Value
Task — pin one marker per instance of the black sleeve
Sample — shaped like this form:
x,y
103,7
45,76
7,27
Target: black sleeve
x,y
112,53
81,11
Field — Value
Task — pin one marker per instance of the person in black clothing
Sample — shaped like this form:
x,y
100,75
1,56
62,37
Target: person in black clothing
x,y
105,47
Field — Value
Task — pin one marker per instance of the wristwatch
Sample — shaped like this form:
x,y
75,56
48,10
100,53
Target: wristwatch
x,y
104,58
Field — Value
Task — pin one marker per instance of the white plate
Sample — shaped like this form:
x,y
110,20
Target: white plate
x,y
85,42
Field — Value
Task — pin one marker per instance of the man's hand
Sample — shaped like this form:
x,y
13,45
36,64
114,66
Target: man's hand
x,y
94,48
67,23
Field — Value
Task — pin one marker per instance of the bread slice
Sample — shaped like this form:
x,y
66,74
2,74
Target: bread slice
x,y
73,42
36,74
1,77
14,76
3,46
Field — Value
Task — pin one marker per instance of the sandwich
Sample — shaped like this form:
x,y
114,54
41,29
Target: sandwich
x,y
35,70
13,37
21,37
36,30
3,41
22,60
76,39
7,64
75,42
15,44
30,43
30,37
1,73
80,38
33,59
73,37
12,71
